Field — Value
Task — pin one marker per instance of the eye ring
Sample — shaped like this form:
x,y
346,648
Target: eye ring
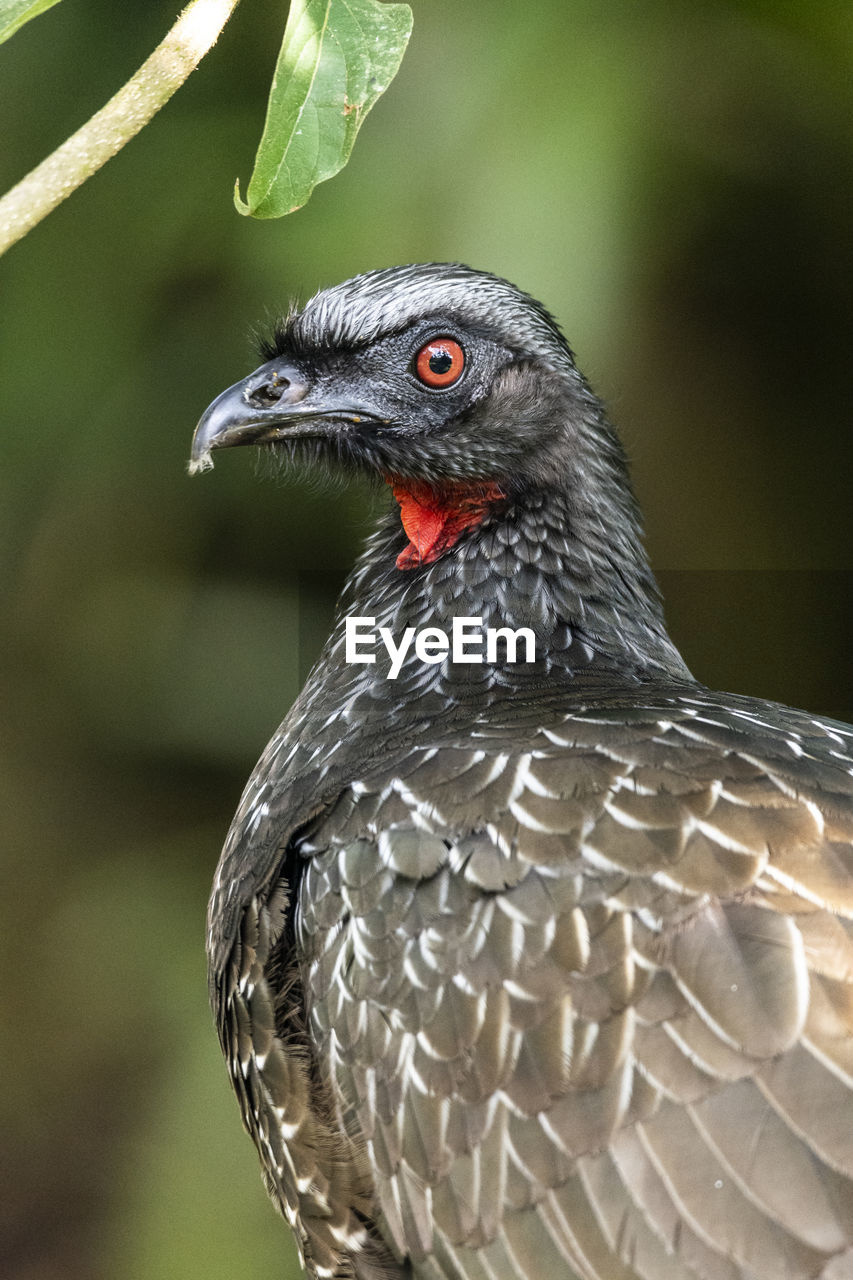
x,y
440,363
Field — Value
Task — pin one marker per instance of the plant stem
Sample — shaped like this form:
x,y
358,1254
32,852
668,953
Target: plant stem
x,y
195,31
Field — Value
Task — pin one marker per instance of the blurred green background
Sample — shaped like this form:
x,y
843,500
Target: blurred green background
x,y
670,178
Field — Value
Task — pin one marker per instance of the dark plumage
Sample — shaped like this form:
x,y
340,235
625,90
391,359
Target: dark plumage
x,y
525,968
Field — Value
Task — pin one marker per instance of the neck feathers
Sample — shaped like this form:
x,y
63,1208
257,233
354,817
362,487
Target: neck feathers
x,y
540,560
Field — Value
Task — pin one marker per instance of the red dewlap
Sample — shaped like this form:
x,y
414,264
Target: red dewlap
x,y
434,518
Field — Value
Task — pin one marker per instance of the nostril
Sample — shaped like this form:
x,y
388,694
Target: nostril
x,y
268,393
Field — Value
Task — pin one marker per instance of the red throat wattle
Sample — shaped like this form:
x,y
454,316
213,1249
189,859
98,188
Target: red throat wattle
x,y
434,518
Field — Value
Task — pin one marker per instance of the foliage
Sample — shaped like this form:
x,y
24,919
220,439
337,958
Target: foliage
x,y
336,58
14,13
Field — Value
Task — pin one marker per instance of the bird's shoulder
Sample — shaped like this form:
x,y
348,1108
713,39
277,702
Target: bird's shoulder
x,y
637,779
651,775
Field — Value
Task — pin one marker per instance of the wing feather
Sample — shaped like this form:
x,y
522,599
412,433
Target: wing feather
x,y
584,1004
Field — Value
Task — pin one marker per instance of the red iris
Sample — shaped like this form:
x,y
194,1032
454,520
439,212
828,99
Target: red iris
x,y
440,362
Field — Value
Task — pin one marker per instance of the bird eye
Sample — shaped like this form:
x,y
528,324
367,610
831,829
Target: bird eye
x,y
440,362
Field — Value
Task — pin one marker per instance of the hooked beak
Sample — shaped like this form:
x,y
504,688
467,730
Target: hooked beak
x,y
270,404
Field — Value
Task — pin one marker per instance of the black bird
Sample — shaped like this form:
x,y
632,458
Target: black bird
x,y
538,965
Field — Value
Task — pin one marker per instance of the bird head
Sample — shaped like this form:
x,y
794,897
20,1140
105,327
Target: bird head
x,y
433,373
461,392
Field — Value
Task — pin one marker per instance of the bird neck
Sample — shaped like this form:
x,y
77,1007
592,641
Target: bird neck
x,y
542,561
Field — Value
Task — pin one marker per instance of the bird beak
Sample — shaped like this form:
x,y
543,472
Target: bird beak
x,y
271,404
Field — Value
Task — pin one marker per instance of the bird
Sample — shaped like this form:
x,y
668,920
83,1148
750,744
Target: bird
x,y
529,954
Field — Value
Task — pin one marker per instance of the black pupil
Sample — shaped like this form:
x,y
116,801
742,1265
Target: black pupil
x,y
441,361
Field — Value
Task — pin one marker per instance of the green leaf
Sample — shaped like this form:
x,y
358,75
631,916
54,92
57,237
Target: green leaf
x,y
336,58
14,13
